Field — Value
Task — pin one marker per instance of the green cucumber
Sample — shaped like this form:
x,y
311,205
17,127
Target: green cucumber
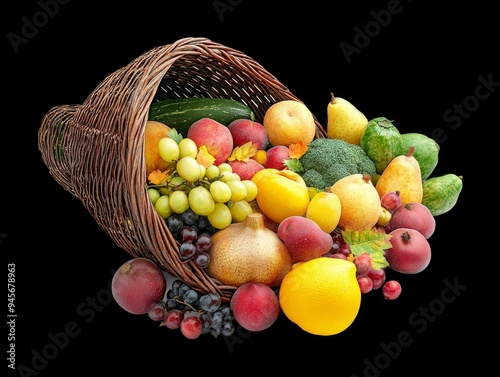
x,y
181,113
440,194
381,141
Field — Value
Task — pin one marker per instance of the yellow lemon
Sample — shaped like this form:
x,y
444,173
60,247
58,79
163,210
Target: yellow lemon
x,y
321,296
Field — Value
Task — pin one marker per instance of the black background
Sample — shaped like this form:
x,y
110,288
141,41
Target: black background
x,y
413,70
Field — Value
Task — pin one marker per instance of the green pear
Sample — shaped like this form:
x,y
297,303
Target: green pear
x,y
345,121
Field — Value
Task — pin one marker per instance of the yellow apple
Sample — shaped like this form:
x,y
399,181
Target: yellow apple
x,y
288,122
153,133
281,193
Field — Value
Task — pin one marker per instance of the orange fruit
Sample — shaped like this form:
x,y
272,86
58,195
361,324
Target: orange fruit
x,y
321,296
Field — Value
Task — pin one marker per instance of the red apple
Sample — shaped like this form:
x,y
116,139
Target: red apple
x,y
214,136
245,130
276,156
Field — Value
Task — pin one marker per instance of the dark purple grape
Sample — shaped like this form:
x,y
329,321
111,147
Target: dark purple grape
x,y
202,260
227,329
174,224
189,217
203,222
203,243
210,302
187,250
188,234
183,289
171,304
206,322
176,284
190,296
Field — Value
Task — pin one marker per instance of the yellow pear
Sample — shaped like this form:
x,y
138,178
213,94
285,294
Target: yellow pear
x,y
359,201
345,121
402,174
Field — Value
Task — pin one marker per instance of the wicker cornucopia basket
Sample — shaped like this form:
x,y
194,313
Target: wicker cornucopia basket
x,y
96,150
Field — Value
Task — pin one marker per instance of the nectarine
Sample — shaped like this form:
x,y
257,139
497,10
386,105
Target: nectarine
x,y
215,136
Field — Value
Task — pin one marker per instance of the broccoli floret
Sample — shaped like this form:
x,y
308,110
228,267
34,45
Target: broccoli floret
x,y
328,160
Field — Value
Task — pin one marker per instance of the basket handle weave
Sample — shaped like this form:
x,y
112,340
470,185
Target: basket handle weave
x,y
52,137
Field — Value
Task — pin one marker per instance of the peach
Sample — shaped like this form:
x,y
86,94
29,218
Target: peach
x,y
413,215
276,156
304,238
214,136
255,306
246,169
245,130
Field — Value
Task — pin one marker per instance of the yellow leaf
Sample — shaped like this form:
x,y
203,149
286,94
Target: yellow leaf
x,y
204,158
157,176
297,150
244,152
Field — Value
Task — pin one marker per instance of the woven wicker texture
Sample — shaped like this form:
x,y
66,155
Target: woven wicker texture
x,y
96,150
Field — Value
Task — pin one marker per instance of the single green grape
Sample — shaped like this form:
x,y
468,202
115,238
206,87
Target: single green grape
x,y
187,147
168,149
226,176
154,194
179,201
251,189
239,210
162,206
212,172
238,190
221,192
221,216
203,171
188,168
225,167
201,201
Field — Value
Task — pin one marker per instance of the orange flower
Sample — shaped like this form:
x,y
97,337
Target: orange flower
x,y
297,150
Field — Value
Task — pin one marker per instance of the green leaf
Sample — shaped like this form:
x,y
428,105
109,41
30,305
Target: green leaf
x,y
174,135
372,241
294,165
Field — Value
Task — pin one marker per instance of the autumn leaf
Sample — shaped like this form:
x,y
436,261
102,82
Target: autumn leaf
x,y
204,158
243,152
297,150
372,241
157,176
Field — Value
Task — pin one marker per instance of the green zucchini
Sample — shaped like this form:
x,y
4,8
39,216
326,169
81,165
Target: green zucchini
x,y
181,113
